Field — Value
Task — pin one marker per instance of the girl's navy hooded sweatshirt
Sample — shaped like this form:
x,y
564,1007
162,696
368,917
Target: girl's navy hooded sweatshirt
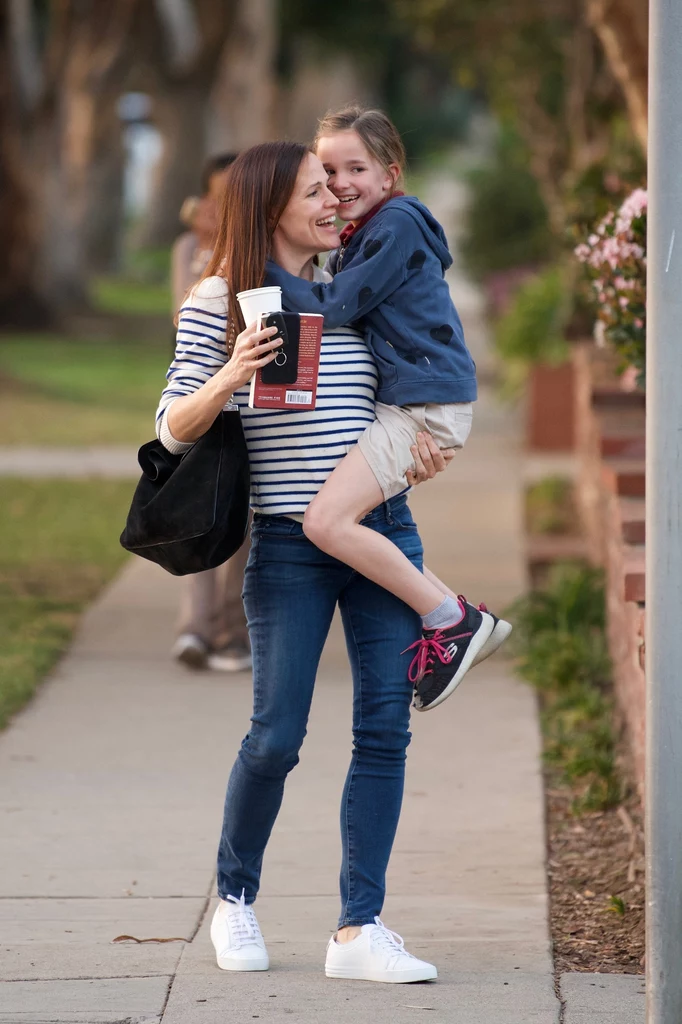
x,y
391,279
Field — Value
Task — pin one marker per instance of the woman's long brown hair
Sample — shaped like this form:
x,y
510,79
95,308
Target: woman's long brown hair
x,y
258,187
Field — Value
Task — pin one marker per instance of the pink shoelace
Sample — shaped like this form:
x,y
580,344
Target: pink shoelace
x,y
428,649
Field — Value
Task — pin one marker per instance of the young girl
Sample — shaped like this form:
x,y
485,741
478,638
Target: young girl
x,y
389,273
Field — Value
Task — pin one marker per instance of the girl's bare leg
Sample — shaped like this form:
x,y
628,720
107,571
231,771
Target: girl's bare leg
x,y
439,583
332,523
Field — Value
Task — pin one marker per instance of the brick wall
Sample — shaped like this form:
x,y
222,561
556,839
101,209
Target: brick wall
x,y
610,427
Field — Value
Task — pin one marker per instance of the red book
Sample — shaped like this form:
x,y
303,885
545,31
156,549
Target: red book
x,y
290,380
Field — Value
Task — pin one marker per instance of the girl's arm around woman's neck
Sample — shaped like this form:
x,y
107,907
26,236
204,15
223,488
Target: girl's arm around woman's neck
x,y
294,262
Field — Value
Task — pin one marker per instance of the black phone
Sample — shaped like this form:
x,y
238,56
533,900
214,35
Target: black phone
x,y
284,367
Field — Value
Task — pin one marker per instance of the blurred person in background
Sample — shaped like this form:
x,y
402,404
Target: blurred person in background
x,y
211,628
193,248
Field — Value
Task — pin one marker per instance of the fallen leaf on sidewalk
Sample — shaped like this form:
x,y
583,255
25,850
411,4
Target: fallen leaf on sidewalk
x,y
131,938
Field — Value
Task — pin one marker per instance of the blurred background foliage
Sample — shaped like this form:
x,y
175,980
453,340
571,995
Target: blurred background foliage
x,y
507,224
109,111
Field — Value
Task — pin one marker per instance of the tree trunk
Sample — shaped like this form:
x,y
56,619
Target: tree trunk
x,y
68,151
321,81
182,72
622,27
104,200
87,58
21,301
242,99
179,114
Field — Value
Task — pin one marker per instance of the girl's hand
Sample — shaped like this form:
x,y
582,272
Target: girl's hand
x,y
252,350
429,459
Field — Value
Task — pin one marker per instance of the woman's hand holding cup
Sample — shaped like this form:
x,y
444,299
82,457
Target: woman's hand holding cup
x,y
253,349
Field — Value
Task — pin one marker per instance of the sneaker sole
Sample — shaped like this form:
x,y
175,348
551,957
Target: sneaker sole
x,y
476,645
498,636
227,964
218,663
387,977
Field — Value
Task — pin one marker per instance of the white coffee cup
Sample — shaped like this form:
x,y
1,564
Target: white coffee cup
x,y
259,300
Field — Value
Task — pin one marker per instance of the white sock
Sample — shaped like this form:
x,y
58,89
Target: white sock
x,y
448,612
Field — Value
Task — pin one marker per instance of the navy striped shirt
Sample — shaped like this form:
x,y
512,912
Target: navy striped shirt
x,y
291,452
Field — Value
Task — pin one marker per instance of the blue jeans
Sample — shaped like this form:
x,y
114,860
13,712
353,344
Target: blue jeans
x,y
291,589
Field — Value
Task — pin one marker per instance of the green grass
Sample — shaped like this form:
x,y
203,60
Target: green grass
x,y
142,287
58,547
59,391
129,296
147,264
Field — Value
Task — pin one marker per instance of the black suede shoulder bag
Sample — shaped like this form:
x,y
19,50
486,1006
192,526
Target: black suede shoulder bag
x,y
191,512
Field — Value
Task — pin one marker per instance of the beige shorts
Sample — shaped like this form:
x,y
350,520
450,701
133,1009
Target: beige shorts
x,y
386,444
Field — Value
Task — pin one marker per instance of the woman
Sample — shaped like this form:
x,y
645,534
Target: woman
x,y
278,205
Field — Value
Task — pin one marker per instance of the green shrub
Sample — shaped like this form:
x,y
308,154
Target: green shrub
x,y
532,330
557,659
549,506
573,600
561,650
507,224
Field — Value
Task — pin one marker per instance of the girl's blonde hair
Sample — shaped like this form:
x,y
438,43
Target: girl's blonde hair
x,y
377,131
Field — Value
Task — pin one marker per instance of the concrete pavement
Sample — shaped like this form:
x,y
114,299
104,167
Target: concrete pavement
x,y
603,998
107,461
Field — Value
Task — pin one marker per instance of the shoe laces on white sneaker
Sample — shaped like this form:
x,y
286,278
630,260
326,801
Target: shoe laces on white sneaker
x,y
389,943
244,928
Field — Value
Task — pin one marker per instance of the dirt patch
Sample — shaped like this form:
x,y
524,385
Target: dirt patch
x,y
596,884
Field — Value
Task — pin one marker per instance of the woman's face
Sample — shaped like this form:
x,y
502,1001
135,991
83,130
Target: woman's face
x,y
354,175
307,225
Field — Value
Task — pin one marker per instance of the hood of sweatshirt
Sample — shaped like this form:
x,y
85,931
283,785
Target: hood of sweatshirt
x,y
428,225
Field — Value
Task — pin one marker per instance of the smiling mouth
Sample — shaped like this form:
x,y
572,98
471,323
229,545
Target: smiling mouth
x,y
347,199
327,222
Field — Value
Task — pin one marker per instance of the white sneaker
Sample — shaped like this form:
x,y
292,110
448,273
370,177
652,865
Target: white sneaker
x,y
237,938
377,954
191,650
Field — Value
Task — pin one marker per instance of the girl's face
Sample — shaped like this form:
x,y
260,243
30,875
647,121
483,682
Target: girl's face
x,y
307,224
354,175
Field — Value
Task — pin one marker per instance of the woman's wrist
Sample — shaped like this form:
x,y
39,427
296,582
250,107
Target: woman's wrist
x,y
221,386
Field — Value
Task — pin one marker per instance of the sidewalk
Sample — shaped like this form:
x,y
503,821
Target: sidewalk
x,y
107,461
112,782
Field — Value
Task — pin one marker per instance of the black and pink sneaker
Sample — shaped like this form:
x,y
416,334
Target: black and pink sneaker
x,y
444,656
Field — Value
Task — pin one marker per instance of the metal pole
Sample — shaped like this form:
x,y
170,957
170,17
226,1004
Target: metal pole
x,y
664,518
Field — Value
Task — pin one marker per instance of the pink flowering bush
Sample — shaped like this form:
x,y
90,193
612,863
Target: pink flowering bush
x,y
615,258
